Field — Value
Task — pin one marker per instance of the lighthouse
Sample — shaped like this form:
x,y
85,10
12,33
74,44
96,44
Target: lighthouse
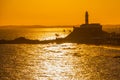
x,y
86,18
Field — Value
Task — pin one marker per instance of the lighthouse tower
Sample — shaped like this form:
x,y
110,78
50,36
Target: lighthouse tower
x,y
86,18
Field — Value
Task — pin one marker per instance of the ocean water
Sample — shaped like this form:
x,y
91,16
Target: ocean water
x,y
66,61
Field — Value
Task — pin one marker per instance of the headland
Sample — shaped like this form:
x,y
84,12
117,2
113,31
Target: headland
x,y
92,34
88,33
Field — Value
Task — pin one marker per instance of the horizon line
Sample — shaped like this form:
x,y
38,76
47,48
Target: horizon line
x,y
50,25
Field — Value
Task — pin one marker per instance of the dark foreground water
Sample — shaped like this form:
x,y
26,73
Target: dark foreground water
x,y
67,61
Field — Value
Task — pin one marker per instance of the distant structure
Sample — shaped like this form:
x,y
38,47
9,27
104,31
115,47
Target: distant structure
x,y
92,26
86,18
87,32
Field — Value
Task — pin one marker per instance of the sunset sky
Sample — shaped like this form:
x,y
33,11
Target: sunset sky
x,y
58,12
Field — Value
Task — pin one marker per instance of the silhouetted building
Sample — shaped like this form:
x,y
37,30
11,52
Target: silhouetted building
x,y
87,32
90,27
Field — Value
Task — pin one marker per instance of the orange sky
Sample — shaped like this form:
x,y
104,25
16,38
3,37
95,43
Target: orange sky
x,y
58,12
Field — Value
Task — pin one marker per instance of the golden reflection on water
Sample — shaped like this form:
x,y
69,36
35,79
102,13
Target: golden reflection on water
x,y
67,61
56,63
62,62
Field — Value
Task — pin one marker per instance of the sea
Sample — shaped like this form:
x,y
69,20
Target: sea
x,y
52,61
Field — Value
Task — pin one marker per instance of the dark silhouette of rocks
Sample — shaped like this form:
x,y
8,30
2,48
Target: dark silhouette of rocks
x,y
23,40
86,33
116,57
